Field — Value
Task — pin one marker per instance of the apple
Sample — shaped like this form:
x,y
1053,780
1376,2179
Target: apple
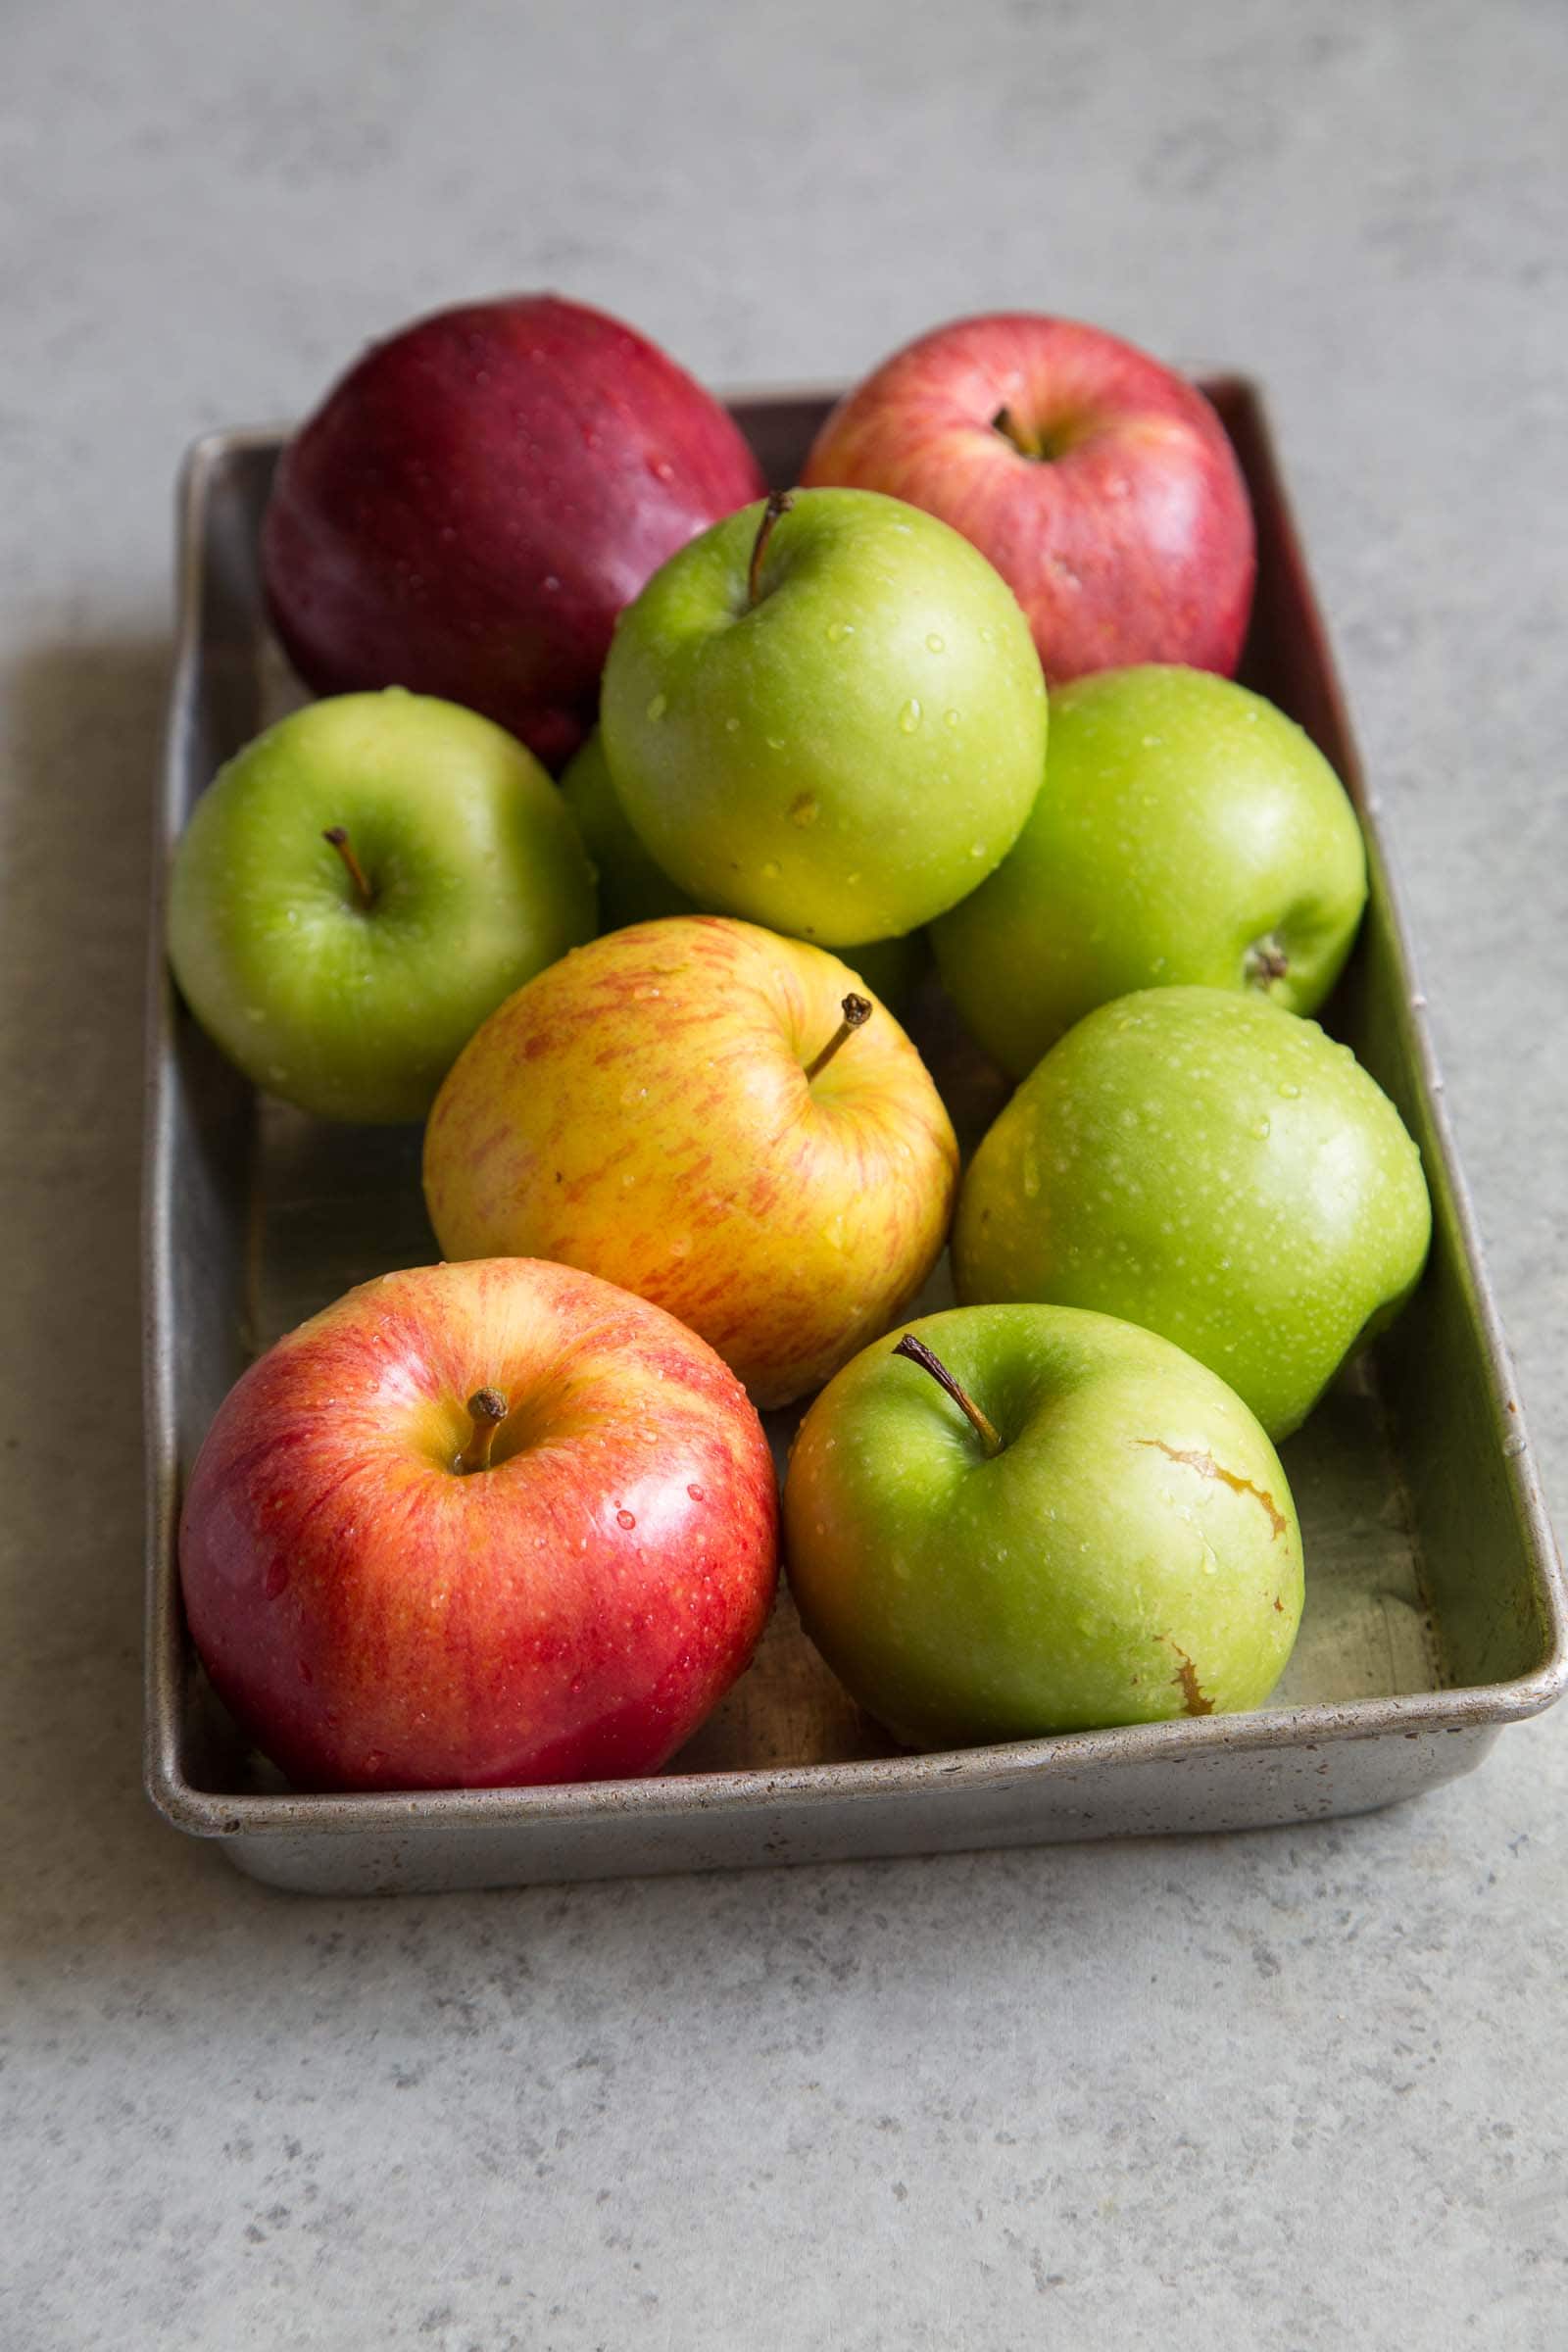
x,y
713,1117
1101,484
632,889
359,887
1214,1168
1185,831
471,507
1018,1520
825,714
476,1525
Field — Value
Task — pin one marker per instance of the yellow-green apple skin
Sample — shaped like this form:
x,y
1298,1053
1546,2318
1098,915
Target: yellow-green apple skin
x,y
1187,832
1131,1553
379,1615
478,879
1223,1172
633,890
642,1109
848,754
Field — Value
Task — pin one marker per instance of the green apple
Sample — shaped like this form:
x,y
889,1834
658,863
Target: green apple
x,y
827,715
1187,831
632,889
1049,1522
359,887
1218,1170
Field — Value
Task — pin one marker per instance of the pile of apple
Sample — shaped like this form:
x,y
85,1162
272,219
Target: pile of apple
x,y
513,1517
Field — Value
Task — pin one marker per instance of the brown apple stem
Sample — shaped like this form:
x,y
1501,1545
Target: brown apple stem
x,y
487,1410
337,835
920,1353
857,1013
1025,440
1266,961
779,503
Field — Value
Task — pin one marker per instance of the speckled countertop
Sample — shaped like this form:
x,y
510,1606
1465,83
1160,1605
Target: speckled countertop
x,y
1299,2089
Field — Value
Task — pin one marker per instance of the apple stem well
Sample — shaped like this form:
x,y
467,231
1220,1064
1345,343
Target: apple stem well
x,y
917,1352
487,1410
857,1013
779,503
1025,440
338,836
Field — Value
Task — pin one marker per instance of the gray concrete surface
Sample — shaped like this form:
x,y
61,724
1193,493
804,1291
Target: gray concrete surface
x,y
1299,2089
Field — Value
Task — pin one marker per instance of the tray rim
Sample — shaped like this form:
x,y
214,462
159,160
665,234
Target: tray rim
x,y
674,1796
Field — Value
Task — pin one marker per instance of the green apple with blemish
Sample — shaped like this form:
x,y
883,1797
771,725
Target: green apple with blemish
x,y
1018,1520
633,889
1187,832
1218,1170
827,714
359,887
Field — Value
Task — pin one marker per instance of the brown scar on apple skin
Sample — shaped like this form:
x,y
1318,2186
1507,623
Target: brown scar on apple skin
x,y
1206,1467
1193,1701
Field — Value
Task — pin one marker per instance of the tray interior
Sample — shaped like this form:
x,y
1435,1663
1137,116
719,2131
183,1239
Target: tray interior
x,y
1403,1595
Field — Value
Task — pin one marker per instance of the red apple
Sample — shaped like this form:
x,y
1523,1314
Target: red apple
x,y
393,1586
475,501
1101,484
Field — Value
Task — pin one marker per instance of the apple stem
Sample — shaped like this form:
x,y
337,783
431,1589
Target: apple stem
x,y
920,1353
338,836
1025,440
1266,961
779,503
856,1011
487,1410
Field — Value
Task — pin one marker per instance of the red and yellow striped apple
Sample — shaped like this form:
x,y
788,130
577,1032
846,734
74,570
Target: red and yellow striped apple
x,y
479,1526
1101,484
716,1118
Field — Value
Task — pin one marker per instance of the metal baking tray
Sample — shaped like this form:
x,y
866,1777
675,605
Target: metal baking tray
x,y
1434,1610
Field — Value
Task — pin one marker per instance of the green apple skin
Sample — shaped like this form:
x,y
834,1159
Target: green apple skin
x,y
632,889
1218,1170
479,880
850,755
1132,1553
1187,832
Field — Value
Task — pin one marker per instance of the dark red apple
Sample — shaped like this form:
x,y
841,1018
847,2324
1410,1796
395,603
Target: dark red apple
x,y
1101,484
474,502
480,1525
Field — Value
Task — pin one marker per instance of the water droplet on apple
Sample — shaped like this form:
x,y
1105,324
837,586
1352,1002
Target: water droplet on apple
x,y
936,644
775,743
695,1494
1289,1091
662,470
771,870
909,716
987,636
1152,743
977,848
1260,1129
949,718
837,630
803,809
639,996
732,726
625,1519
657,707
550,584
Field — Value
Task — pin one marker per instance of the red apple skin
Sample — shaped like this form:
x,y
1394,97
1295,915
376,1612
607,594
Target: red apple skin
x,y
473,503
375,1620
1129,541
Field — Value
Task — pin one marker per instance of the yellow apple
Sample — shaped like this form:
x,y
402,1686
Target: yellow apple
x,y
719,1119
